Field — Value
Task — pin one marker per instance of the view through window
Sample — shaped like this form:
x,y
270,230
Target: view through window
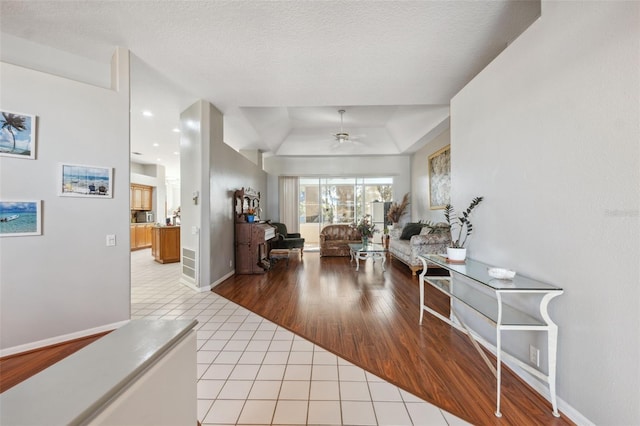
x,y
345,200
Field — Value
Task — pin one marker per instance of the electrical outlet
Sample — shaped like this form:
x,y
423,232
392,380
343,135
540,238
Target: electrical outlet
x,y
534,355
230,263
111,240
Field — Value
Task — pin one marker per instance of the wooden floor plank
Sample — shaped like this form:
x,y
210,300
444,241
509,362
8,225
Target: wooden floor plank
x,y
370,318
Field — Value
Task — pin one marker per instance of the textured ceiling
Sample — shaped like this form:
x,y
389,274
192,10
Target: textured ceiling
x,y
280,70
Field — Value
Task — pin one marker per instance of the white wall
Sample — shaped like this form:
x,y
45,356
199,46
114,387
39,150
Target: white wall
x,y
229,171
66,282
549,134
192,136
203,149
420,180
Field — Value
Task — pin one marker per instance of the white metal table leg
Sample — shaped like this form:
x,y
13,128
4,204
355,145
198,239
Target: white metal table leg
x,y
552,345
422,275
498,355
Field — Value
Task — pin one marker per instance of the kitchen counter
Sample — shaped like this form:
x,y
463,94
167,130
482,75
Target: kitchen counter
x,y
165,243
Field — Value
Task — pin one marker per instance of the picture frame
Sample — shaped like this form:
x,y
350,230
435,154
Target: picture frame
x,y
20,218
17,135
76,180
439,164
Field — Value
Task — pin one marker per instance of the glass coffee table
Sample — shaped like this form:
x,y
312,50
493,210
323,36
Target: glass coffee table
x,y
371,250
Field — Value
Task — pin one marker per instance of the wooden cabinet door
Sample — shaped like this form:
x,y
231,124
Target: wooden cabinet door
x,y
132,232
146,198
136,202
140,236
155,243
147,235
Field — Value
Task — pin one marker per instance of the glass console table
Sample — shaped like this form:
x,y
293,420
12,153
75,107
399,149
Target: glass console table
x,y
477,295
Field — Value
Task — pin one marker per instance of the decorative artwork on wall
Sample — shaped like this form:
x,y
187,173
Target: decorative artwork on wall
x,y
17,135
85,181
20,218
440,178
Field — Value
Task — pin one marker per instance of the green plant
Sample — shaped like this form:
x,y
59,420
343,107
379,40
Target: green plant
x,y
462,222
365,227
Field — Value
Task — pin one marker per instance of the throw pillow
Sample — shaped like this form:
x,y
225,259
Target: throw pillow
x,y
410,229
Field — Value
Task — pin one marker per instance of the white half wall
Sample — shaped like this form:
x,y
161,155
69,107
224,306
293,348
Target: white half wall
x,y
549,133
67,280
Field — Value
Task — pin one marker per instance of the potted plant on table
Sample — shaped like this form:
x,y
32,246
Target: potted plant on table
x,y
456,251
366,229
251,215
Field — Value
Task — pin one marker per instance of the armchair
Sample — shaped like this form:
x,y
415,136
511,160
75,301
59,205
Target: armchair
x,y
335,239
286,240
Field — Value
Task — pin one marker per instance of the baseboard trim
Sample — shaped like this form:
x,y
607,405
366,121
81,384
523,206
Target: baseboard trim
x,y
60,339
192,286
566,409
189,284
223,278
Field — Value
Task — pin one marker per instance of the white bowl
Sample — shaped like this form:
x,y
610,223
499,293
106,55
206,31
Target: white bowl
x,y
501,273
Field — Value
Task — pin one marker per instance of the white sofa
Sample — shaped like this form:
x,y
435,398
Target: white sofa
x,y
426,242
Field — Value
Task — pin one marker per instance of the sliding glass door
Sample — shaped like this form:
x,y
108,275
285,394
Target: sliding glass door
x,y
339,200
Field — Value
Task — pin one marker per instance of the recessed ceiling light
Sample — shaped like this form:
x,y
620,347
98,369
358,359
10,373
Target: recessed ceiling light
x,y
156,144
176,153
176,130
147,113
158,159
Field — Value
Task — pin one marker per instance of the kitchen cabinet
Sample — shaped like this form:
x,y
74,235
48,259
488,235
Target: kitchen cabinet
x,y
141,197
165,244
141,235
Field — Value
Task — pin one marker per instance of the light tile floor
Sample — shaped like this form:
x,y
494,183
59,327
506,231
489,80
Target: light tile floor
x,y
253,372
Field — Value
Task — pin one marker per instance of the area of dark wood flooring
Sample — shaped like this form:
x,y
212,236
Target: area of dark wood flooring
x,y
370,318
15,369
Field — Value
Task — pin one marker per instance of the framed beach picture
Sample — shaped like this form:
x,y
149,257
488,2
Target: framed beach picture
x,y
85,181
17,135
20,218
440,178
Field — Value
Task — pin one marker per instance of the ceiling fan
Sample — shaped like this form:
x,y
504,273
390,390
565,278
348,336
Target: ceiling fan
x,y
343,137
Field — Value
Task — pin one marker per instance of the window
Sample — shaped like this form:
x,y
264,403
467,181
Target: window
x,y
341,199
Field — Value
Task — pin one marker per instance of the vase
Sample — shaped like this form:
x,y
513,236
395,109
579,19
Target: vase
x,y
456,254
365,241
250,218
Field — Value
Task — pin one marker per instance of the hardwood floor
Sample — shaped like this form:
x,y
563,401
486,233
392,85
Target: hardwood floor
x,y
14,369
370,318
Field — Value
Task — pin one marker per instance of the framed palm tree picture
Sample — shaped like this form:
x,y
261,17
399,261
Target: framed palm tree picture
x,y
17,135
